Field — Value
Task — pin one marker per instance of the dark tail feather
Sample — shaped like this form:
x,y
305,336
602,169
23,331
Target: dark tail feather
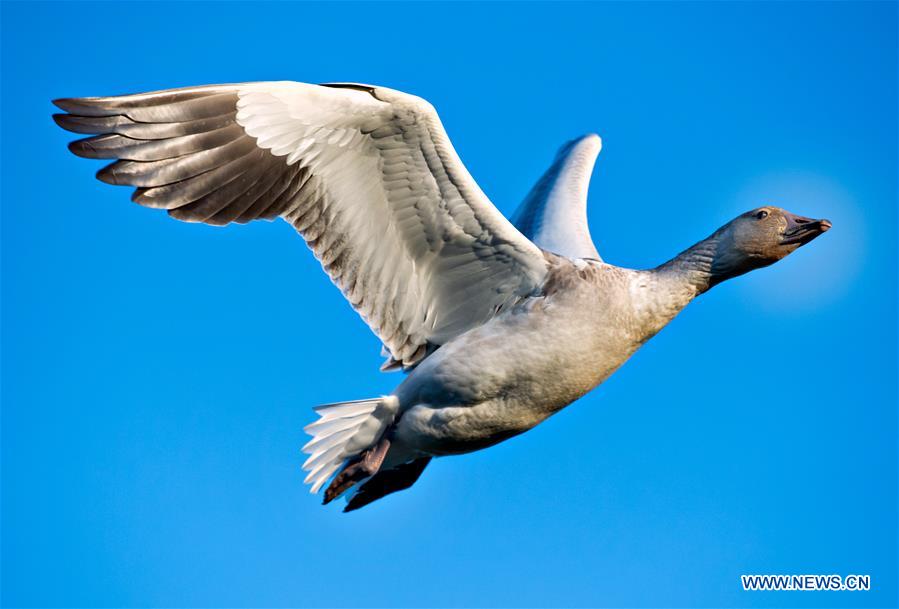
x,y
386,482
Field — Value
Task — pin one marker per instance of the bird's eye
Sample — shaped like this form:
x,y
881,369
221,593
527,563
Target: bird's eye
x,y
761,215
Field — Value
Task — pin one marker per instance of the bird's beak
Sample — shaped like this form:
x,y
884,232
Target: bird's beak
x,y
801,230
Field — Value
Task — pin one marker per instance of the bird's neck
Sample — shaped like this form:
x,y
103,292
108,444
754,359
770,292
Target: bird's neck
x,y
672,286
693,266
704,265
667,289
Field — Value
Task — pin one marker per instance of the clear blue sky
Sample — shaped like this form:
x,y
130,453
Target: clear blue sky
x,y
157,375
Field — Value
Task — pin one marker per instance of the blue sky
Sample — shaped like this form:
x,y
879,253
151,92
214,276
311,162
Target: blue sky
x,y
156,375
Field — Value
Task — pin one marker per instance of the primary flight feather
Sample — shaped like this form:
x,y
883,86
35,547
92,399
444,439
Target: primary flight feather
x,y
498,325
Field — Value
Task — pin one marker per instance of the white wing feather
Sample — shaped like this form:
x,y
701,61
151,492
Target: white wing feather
x,y
366,175
554,214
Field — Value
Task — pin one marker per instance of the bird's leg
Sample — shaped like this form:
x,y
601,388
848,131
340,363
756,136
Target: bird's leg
x,y
366,465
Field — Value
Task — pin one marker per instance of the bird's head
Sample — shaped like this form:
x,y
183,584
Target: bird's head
x,y
761,237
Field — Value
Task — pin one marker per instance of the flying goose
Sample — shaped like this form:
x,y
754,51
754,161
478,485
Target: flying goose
x,y
497,324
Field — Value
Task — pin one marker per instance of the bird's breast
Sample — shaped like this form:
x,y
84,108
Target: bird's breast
x,y
539,356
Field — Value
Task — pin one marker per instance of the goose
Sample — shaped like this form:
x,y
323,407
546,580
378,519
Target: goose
x,y
497,324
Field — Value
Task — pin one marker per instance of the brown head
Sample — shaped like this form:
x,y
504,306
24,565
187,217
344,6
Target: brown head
x,y
758,238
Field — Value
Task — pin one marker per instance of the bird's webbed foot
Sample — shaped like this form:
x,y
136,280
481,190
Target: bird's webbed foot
x,y
364,466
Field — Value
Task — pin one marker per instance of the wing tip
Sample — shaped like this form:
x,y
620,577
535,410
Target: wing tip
x,y
85,149
588,141
77,105
64,103
108,174
63,120
584,148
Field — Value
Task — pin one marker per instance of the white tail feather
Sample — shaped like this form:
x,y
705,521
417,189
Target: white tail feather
x,y
342,431
325,442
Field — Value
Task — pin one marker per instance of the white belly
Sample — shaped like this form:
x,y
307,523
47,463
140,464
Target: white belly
x,y
505,377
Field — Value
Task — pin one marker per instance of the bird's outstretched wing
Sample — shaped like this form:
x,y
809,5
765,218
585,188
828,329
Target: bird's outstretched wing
x,y
367,175
554,214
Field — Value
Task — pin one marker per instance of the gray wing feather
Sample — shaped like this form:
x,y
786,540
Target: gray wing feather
x,y
115,146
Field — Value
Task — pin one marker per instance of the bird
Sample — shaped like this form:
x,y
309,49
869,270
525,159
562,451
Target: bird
x,y
496,323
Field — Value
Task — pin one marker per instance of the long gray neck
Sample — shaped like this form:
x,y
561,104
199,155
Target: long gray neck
x,y
673,285
692,272
693,266
705,264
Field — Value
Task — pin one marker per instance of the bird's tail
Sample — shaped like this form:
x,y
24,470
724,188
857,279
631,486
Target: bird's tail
x,y
343,431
